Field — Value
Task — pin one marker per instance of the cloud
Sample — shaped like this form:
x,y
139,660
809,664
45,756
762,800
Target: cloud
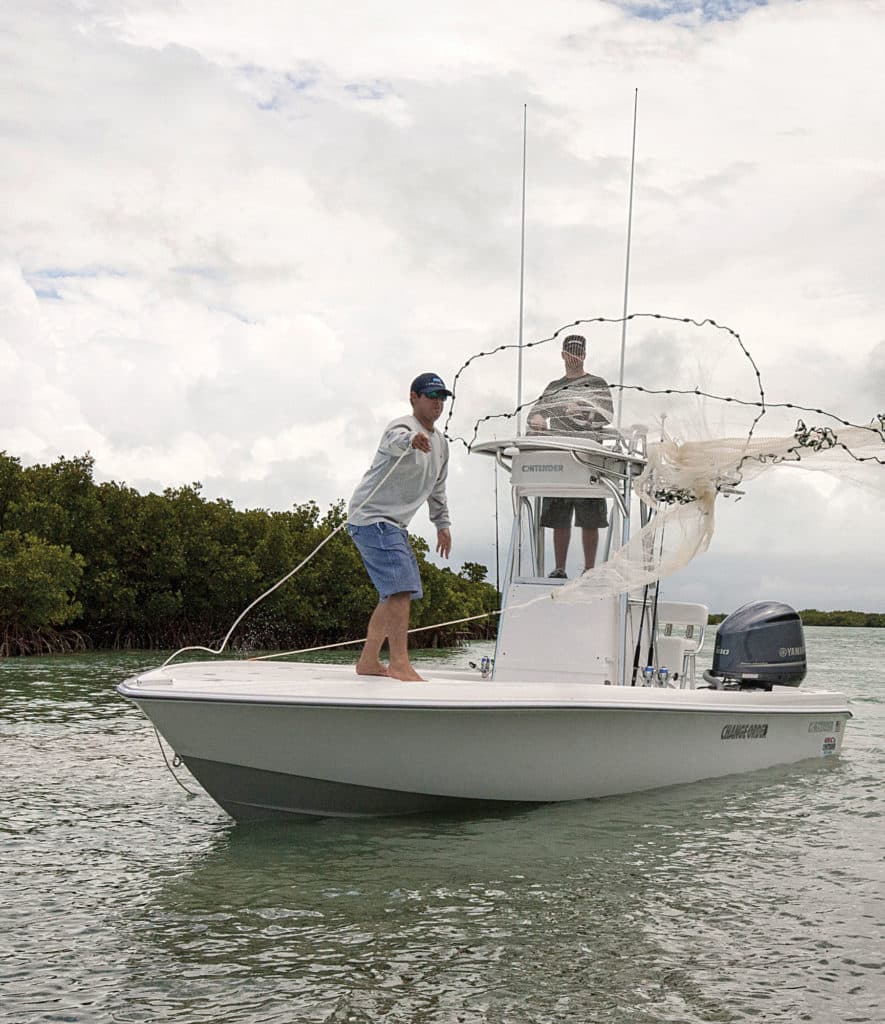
x,y
791,538
232,233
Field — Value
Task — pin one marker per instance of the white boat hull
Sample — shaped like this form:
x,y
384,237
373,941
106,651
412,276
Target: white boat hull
x,y
295,739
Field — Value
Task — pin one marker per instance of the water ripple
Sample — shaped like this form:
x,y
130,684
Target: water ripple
x,y
124,900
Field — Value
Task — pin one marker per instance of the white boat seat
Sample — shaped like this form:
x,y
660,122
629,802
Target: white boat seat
x,y
680,635
682,618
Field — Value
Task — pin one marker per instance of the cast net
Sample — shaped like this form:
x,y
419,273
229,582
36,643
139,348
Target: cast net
x,y
694,393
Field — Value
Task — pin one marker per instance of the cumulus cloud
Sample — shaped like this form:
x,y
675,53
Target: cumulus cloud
x,y
232,233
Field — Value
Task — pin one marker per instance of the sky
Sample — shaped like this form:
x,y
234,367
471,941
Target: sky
x,y
231,234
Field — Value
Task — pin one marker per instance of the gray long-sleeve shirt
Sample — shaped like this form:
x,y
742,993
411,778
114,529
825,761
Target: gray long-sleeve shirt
x,y
419,477
574,405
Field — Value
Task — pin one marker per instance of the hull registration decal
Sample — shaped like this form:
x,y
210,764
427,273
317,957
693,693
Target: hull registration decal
x,y
822,725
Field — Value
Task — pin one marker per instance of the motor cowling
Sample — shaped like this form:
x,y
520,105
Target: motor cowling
x,y
760,645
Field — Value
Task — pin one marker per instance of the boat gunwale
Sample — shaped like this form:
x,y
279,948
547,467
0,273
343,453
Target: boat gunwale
x,y
484,704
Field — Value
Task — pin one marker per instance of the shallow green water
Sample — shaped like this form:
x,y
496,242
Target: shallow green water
x,y
122,899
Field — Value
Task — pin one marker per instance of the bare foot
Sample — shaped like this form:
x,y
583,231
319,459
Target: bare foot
x,y
406,672
369,668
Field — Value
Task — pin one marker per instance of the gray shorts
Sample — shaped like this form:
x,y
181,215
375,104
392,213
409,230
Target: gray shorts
x,y
589,513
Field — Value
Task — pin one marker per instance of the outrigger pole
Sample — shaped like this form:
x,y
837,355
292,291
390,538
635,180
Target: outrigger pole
x,y
627,270
521,279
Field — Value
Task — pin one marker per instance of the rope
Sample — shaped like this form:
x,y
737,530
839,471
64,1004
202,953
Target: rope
x,y
189,792
362,640
289,575
814,438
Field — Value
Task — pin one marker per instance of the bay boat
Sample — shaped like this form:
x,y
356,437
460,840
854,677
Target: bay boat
x,y
586,696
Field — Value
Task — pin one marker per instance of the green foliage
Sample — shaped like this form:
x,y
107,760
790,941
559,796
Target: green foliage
x,y
812,617
10,485
474,572
159,570
447,598
38,581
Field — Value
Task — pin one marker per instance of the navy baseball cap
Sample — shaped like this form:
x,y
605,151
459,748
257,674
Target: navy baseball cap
x,y
425,382
575,345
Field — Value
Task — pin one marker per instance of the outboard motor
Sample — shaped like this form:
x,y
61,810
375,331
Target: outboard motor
x,y
758,646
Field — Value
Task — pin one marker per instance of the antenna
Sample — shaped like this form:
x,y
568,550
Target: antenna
x,y
521,278
497,534
627,269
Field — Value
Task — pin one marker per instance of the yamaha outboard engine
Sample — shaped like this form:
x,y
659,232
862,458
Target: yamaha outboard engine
x,y
758,646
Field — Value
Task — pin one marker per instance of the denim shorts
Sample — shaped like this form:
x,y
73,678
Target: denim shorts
x,y
388,558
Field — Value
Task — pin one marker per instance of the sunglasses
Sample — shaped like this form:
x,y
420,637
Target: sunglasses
x,y
435,394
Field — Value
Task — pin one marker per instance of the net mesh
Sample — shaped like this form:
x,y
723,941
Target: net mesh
x,y
697,395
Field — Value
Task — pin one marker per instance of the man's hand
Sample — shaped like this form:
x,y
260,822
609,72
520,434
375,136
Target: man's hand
x,y
443,542
421,441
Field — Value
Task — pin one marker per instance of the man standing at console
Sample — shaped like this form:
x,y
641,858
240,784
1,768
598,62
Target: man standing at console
x,y
578,403
382,506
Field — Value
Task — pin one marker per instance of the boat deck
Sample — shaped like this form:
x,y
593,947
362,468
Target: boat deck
x,y
288,683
